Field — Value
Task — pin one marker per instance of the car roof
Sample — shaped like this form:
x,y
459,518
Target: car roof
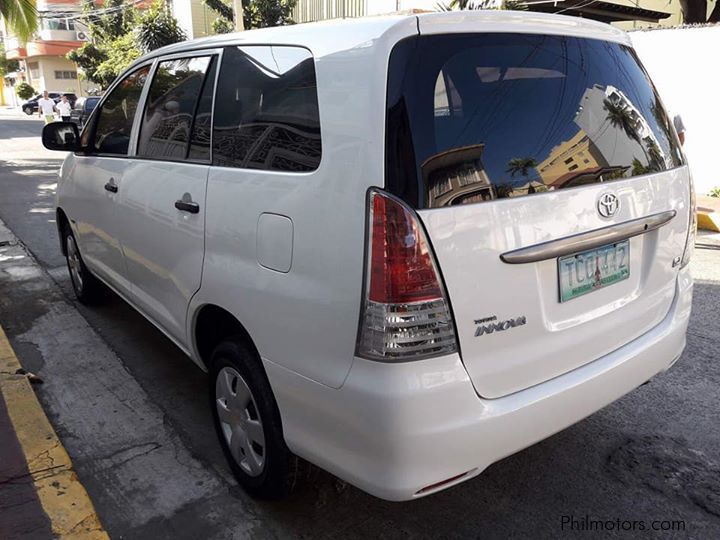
x,y
342,34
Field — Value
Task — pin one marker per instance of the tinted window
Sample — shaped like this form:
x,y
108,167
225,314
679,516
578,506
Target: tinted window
x,y
485,116
115,118
202,124
266,110
174,91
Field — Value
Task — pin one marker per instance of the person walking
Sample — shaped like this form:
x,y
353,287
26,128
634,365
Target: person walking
x,y
46,108
64,108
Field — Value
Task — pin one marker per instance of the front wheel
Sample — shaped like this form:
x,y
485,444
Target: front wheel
x,y
247,421
86,286
28,111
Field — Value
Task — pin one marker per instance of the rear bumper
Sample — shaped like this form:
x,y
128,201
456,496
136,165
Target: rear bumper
x,y
395,429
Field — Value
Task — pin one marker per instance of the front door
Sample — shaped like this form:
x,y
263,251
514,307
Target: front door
x,y
96,182
163,193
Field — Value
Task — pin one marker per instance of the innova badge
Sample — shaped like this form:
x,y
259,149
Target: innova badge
x,y
608,204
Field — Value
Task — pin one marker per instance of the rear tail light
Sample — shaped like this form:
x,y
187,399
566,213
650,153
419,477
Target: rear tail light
x,y
405,313
692,226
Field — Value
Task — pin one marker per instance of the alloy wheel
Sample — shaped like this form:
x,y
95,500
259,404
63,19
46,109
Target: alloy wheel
x,y
74,265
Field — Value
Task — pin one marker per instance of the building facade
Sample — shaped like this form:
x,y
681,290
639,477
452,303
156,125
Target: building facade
x,y
42,59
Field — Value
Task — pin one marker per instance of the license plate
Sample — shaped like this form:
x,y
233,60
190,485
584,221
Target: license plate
x,y
588,271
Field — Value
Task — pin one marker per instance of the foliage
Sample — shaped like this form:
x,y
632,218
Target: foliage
x,y
121,53
715,192
514,5
157,28
120,37
222,26
25,91
695,12
257,13
7,66
20,17
521,165
221,8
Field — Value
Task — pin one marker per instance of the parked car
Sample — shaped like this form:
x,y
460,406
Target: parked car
x,y
30,107
403,247
82,109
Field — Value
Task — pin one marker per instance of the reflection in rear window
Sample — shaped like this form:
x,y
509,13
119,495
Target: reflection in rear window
x,y
486,116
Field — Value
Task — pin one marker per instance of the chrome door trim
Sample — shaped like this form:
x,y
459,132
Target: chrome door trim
x,y
587,240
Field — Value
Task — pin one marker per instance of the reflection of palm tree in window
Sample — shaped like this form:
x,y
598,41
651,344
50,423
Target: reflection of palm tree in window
x,y
521,165
620,116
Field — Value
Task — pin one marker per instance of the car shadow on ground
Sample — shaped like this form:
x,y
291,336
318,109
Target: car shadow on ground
x,y
620,462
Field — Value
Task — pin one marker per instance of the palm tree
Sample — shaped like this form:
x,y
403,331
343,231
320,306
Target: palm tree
x,y
620,117
20,17
520,165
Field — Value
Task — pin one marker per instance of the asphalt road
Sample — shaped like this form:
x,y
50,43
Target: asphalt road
x,y
133,413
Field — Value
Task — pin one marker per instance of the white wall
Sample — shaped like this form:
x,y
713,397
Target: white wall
x,y
683,66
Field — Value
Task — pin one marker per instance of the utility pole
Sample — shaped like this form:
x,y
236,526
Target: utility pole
x,y
238,12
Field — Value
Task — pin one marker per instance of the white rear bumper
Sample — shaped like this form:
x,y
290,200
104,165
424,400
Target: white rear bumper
x,y
394,429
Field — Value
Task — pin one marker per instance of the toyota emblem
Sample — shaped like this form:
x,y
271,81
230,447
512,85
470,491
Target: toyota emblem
x,y
608,204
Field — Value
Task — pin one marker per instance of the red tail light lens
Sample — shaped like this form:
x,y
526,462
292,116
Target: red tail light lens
x,y
401,267
405,313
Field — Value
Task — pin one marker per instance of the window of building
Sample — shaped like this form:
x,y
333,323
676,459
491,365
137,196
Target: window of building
x,y
115,118
65,75
34,70
266,110
174,92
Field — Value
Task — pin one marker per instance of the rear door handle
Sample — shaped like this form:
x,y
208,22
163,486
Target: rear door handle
x,y
111,186
186,206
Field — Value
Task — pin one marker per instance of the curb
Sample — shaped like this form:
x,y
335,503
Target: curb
x,y
62,496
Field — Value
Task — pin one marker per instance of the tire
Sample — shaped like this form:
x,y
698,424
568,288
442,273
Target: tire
x,y
28,111
250,430
88,289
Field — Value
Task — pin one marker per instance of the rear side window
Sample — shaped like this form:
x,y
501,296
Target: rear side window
x,y
266,110
115,121
171,102
479,117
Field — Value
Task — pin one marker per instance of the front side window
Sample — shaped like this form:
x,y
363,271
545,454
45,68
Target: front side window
x,y
115,118
266,110
171,103
479,117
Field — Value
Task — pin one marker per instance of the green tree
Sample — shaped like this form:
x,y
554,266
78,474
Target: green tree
x,y
20,17
7,66
257,13
521,165
24,90
222,26
157,28
514,5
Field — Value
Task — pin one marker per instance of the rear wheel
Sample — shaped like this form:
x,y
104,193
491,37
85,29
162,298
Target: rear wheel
x,y
28,110
247,421
86,286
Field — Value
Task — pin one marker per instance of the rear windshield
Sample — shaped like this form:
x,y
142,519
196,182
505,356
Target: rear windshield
x,y
479,117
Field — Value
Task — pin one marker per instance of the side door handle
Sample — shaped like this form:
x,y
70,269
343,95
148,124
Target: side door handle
x,y
186,204
111,186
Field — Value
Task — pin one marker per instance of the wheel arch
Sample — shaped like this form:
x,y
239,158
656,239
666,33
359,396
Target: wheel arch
x,y
62,221
211,324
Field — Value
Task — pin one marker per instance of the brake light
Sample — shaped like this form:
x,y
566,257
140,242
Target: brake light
x,y
405,314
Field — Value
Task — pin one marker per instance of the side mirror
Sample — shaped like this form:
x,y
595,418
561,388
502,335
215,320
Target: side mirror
x,y
63,136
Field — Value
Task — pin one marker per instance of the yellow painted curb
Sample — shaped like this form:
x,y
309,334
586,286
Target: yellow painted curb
x,y
708,220
62,496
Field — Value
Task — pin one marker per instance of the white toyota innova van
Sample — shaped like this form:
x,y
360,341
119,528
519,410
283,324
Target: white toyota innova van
x,y
403,247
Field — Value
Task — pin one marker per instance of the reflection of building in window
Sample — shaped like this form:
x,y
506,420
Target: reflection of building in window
x,y
612,142
588,176
565,156
457,176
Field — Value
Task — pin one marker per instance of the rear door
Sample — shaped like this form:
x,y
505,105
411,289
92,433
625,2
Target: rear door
x,y
162,201
553,191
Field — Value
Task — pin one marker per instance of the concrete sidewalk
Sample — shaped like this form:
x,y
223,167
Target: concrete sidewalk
x,y
40,494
